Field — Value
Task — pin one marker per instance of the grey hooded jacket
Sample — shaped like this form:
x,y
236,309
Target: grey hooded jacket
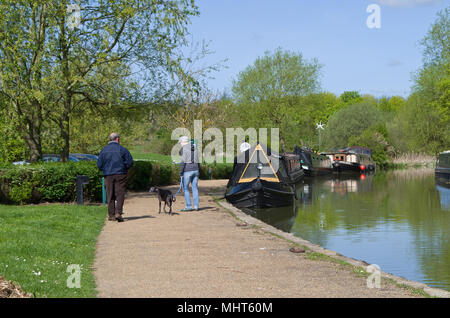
x,y
189,159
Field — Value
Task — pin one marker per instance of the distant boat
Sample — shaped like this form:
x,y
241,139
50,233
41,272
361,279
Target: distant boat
x,y
354,159
263,178
313,164
442,170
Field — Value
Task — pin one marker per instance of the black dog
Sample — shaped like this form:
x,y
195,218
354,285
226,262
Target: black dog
x,y
164,195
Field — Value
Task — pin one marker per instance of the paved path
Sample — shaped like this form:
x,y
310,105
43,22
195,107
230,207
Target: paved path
x,y
204,254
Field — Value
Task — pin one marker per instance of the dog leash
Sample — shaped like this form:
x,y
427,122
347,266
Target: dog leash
x,y
179,189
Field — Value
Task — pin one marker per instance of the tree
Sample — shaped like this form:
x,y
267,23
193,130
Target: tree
x,y
429,106
351,97
268,89
349,122
51,67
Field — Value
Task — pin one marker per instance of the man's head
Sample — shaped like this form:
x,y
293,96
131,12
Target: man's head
x,y
114,137
184,140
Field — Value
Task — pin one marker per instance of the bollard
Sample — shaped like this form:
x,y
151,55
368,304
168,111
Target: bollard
x,y
80,181
103,191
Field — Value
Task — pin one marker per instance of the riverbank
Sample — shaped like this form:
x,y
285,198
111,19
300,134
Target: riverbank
x,y
206,254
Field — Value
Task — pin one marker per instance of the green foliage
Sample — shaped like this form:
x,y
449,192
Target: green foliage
x,y
277,75
391,104
140,176
267,91
351,97
69,70
350,122
48,182
428,108
217,171
374,138
12,145
422,126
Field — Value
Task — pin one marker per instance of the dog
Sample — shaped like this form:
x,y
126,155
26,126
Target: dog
x,y
166,196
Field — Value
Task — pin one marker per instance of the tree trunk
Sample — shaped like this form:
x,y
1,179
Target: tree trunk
x,y
65,135
34,144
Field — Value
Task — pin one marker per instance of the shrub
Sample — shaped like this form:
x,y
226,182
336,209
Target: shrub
x,y
56,182
140,176
50,182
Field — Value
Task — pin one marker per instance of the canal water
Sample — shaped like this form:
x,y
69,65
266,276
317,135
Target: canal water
x,y
399,220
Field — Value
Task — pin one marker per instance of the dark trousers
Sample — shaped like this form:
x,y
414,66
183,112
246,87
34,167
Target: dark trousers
x,y
115,191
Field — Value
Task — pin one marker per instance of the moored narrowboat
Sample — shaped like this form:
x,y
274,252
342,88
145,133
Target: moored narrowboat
x,y
442,170
262,178
354,159
314,164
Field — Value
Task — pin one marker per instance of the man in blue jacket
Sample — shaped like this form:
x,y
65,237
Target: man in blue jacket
x,y
114,161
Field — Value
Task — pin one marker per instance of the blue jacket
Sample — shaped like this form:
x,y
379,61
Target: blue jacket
x,y
114,159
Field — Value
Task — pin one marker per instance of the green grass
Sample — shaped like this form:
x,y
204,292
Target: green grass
x,y
140,155
37,243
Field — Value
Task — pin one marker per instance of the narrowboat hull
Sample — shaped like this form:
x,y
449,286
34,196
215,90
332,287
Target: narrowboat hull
x,y
351,167
297,176
315,172
442,175
260,194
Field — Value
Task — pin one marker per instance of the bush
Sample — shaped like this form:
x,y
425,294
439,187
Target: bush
x,y
140,176
48,182
56,182
218,171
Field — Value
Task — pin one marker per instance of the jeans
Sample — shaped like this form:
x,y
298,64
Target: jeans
x,y
190,177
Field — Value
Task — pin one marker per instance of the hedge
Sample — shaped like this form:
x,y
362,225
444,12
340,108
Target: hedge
x,y
56,182
48,182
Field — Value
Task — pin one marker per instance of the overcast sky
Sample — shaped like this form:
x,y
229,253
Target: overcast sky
x,y
377,61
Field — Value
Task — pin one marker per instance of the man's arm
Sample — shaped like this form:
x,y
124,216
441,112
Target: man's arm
x,y
128,159
100,161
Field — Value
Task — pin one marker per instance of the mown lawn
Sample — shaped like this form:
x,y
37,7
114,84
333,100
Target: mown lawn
x,y
139,154
38,243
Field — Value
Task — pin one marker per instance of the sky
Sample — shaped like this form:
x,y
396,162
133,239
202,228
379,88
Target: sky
x,y
376,61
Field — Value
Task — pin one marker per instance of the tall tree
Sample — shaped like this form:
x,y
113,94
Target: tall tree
x,y
267,90
53,62
431,129
24,29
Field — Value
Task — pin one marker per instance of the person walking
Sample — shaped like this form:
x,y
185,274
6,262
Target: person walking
x,y
189,172
114,161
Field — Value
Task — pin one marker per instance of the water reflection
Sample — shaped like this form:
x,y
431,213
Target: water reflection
x,y
399,220
444,195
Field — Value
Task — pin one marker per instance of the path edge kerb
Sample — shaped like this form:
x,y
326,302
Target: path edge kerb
x,y
431,291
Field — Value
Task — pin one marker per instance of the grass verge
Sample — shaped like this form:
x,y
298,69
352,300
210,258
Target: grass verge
x,y
38,243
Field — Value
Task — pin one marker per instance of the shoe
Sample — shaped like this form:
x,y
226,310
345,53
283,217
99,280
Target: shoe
x,y
186,210
119,218
111,218
195,209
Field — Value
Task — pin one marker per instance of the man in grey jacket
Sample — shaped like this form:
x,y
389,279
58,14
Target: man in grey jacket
x,y
189,172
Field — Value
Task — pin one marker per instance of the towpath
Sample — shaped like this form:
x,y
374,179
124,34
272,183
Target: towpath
x,y
205,254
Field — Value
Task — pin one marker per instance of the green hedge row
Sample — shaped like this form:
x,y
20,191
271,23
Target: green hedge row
x,y
48,182
56,182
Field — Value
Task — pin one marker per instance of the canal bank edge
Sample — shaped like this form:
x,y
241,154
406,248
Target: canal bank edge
x,y
400,281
